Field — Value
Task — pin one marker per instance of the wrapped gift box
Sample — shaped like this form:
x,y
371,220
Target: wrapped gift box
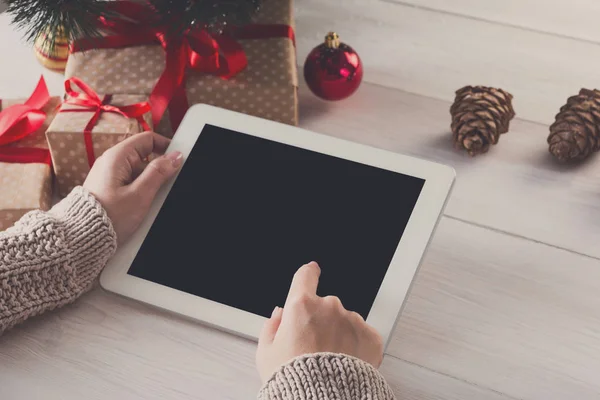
x,y
75,145
266,88
26,186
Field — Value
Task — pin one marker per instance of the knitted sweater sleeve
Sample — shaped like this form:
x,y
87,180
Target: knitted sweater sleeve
x,y
326,376
48,259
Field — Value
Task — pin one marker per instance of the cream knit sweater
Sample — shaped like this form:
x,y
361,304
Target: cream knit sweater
x,y
48,259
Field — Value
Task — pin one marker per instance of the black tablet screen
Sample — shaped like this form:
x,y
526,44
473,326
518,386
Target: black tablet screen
x,y
245,213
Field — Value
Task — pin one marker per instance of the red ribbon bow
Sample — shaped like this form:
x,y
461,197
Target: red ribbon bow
x,y
89,101
220,55
21,120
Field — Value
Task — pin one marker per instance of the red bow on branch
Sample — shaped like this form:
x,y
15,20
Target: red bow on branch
x,y
21,120
89,101
196,50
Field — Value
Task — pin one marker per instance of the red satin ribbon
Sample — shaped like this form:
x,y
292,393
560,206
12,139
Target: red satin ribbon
x,y
21,120
89,101
220,55
199,51
25,155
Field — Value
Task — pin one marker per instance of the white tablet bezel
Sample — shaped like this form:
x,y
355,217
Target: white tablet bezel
x,y
395,287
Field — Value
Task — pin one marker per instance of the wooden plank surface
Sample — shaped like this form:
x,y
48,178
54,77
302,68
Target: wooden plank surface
x,y
517,187
433,54
506,314
411,382
105,347
490,313
574,18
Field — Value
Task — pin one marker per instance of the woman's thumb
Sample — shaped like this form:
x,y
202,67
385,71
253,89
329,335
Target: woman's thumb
x,y
159,171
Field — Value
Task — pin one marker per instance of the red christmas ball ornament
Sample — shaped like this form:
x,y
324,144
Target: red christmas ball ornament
x,y
333,70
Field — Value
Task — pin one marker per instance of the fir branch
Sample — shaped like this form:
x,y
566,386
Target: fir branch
x,y
214,15
53,19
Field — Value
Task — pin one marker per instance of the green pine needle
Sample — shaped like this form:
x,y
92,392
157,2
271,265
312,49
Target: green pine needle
x,y
213,15
71,19
74,19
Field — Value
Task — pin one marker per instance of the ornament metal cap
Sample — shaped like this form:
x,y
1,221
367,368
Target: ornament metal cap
x,y
332,40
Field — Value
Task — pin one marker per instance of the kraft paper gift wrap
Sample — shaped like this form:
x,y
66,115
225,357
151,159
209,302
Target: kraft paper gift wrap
x,y
26,186
67,139
266,88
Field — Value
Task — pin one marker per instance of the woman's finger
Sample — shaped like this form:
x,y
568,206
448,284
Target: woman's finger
x,y
271,326
144,144
305,282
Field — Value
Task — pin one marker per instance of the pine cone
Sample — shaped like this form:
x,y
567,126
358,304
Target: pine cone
x,y
479,115
576,132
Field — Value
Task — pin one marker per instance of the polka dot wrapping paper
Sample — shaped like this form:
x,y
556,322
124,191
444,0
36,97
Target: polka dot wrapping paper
x,y
26,187
67,141
266,88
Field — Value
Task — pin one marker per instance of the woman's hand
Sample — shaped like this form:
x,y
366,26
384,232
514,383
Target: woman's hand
x,y
311,324
125,184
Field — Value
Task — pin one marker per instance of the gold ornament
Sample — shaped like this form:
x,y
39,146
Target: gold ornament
x,y
52,50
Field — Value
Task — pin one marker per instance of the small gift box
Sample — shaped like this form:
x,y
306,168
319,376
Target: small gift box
x,y
87,125
250,69
25,166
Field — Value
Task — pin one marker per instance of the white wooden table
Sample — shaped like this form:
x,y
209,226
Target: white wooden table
x,y
507,302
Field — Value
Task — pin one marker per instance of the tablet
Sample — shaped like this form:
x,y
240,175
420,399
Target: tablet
x,y
255,200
